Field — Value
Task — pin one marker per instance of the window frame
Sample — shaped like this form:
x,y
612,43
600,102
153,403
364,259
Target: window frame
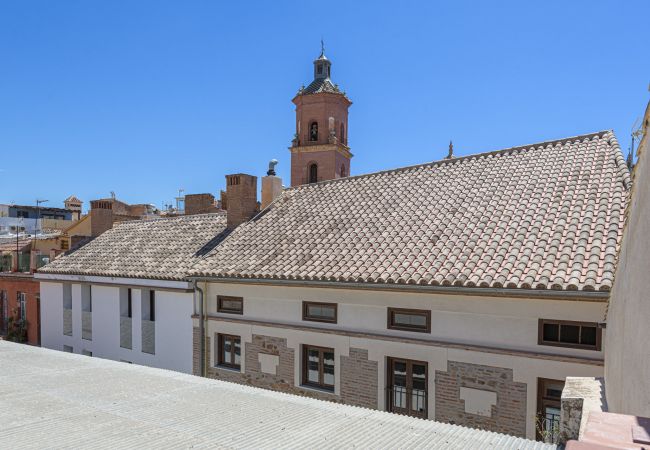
x,y
541,341
390,386
321,368
221,309
221,362
308,318
391,325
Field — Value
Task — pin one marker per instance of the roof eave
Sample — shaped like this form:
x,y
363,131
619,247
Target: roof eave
x,y
547,294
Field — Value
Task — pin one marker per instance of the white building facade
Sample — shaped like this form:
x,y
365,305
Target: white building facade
x,y
479,362
134,321
124,296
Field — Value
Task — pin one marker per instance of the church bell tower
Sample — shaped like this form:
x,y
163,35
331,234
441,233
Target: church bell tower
x,y
319,150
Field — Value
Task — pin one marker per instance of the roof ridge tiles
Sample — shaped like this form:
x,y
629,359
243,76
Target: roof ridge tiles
x,y
456,159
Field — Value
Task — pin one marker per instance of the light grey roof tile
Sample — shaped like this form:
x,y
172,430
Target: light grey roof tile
x,y
163,248
542,216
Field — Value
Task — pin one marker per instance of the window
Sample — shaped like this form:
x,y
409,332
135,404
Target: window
x,y
67,349
549,395
129,304
86,352
229,351
313,173
319,69
409,320
230,305
313,131
22,306
65,245
407,387
344,173
342,134
319,312
562,333
318,367
152,306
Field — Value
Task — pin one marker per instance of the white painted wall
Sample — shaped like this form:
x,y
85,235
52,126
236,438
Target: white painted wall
x,y
627,363
173,325
507,323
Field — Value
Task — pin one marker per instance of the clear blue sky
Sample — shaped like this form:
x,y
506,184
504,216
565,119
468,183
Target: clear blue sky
x,y
145,97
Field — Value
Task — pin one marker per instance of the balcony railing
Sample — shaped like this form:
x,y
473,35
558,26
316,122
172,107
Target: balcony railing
x,y
550,428
410,402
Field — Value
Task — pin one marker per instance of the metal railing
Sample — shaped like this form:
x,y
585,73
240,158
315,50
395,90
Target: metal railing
x,y
550,428
410,402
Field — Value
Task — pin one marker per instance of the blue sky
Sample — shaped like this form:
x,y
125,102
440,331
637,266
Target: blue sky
x,y
146,97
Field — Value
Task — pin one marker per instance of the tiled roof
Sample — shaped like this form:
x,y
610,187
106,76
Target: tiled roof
x,y
73,199
156,248
321,85
52,399
541,216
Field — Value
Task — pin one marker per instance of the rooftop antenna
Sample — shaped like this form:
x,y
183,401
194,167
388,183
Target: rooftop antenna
x,y
38,214
635,134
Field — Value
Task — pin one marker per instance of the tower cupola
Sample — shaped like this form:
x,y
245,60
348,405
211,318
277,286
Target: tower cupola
x,y
322,65
319,149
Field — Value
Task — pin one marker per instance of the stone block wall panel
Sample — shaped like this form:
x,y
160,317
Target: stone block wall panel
x,y
359,379
507,416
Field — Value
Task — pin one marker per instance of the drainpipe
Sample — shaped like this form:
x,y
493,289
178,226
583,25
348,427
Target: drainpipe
x,y
202,329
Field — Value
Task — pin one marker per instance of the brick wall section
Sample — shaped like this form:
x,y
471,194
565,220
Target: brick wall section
x,y
359,379
101,217
509,414
241,191
199,204
358,375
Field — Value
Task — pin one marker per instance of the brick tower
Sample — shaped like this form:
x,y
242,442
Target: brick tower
x,y
319,149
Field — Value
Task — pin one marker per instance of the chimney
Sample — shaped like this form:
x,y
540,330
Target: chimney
x,y
271,185
199,204
241,194
101,216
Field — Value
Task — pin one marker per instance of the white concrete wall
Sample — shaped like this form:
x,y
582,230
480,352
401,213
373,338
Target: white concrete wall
x,y
506,323
173,326
627,362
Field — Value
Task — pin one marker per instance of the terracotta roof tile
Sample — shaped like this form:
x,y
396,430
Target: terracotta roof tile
x,y
542,216
157,248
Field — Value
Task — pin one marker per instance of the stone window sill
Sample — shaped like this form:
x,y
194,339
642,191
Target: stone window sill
x,y
228,369
307,387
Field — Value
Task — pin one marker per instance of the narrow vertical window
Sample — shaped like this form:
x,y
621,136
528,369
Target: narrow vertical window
x,y
313,173
129,304
152,306
313,131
